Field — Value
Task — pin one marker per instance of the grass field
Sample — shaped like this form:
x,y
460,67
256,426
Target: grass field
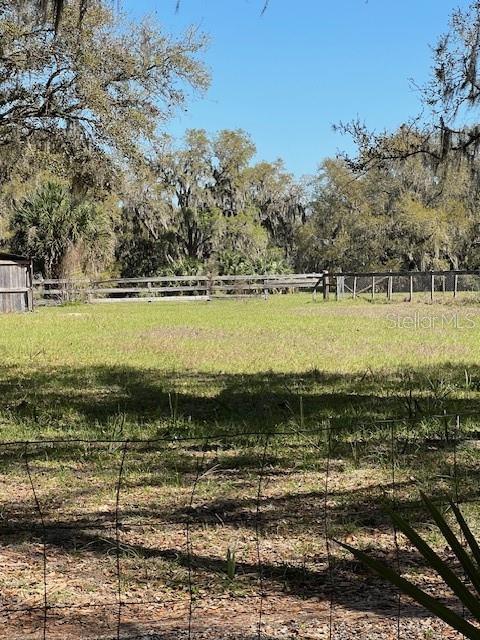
x,y
310,379
231,365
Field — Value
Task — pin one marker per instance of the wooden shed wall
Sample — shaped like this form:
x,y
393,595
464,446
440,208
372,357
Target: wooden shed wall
x,y
14,286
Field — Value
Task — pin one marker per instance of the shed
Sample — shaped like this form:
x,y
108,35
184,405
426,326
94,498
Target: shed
x,y
16,283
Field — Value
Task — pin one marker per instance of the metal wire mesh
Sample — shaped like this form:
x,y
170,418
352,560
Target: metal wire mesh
x,y
160,520
424,286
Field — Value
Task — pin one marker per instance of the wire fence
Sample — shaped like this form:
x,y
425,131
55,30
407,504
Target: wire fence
x,y
405,286
224,535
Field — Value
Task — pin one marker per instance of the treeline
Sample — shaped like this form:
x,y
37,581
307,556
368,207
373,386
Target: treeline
x,y
406,213
206,207
89,185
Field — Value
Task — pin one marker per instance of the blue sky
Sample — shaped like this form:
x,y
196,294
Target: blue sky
x,y
288,76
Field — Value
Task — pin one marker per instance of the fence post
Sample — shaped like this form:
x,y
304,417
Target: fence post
x,y
432,287
209,286
390,287
455,285
354,287
265,290
410,299
373,287
339,287
326,285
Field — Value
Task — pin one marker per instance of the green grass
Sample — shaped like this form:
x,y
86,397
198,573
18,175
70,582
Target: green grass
x,y
280,367
140,369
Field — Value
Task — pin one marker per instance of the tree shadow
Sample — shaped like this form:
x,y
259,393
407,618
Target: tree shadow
x,y
116,400
350,584
218,411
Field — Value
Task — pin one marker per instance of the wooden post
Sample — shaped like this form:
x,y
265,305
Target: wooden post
x,y
444,286
373,287
265,290
326,285
390,288
90,286
209,286
455,285
338,292
315,288
432,287
354,287
410,299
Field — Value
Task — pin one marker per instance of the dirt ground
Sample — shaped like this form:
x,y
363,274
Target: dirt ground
x,y
233,620
153,528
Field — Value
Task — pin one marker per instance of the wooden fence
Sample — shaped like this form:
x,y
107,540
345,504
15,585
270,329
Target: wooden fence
x,y
165,288
197,288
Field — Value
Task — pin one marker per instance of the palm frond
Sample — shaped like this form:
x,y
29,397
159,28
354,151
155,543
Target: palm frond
x,y
454,543
470,566
432,604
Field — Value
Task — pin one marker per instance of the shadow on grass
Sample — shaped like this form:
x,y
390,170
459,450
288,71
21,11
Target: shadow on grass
x,y
104,402
113,401
291,513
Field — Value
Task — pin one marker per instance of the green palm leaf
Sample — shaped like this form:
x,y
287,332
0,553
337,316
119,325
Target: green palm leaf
x,y
432,604
436,563
470,569
467,532
469,599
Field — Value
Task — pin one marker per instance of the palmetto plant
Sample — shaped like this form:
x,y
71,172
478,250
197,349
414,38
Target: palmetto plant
x,y
468,557
49,225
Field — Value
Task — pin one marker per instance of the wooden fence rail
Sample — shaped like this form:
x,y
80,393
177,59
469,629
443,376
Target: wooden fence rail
x,y
207,287
164,288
